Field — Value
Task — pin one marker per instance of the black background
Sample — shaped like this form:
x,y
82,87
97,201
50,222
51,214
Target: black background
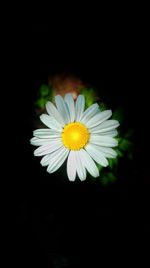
x,y
54,222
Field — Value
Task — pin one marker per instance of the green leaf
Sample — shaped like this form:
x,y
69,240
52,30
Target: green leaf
x,y
90,96
125,145
104,180
111,177
119,153
45,94
102,107
108,178
118,114
40,103
44,90
113,162
99,167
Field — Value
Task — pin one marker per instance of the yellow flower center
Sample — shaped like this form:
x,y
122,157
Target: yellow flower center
x,y
75,136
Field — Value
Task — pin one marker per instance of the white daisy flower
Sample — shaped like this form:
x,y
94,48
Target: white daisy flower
x,y
83,137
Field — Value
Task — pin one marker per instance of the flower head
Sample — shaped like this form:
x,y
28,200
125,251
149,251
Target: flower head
x,y
83,137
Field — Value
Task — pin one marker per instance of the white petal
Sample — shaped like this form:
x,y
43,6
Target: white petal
x,y
47,149
52,111
45,160
62,108
89,113
103,140
107,152
80,168
99,118
50,122
57,160
48,158
89,164
38,142
96,155
105,126
70,103
79,107
71,166
46,133
111,133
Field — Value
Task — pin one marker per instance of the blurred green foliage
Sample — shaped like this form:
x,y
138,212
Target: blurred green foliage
x,y
107,178
125,147
45,94
89,94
